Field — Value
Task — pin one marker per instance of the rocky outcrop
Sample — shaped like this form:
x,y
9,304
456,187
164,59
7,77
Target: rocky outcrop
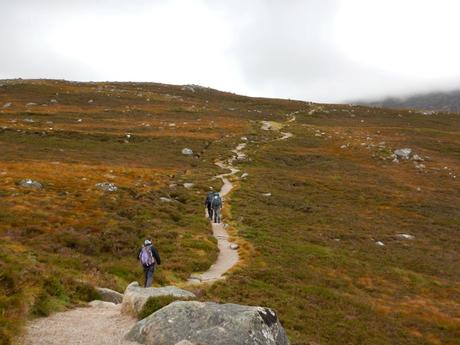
x,y
109,295
209,323
136,296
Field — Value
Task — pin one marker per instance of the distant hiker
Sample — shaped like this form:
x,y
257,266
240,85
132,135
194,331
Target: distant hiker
x,y
149,258
216,205
208,203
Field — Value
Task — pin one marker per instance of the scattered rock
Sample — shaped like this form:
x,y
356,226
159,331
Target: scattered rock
x,y
163,199
244,138
420,166
405,236
234,246
187,152
209,323
417,158
188,185
135,296
343,146
107,186
379,243
28,183
244,175
54,101
403,153
109,295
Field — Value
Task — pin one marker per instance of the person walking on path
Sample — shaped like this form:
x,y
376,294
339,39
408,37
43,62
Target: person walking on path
x,y
208,202
149,258
216,205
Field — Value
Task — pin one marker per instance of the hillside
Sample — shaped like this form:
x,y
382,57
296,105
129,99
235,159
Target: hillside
x,y
348,243
433,101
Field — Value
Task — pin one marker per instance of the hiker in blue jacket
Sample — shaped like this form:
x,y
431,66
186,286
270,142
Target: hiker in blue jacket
x,y
149,258
216,205
207,202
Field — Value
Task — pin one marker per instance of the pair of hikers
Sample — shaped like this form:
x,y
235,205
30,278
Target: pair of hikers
x,y
149,258
213,203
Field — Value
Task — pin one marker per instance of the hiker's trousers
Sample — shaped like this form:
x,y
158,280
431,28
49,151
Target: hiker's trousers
x,y
148,275
216,212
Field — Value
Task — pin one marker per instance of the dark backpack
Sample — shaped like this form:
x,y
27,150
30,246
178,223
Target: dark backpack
x,y
216,201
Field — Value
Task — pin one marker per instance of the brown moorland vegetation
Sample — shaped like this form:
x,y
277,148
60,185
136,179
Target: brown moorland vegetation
x,y
311,250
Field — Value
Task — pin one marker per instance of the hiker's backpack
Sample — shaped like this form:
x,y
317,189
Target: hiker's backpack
x,y
216,201
146,256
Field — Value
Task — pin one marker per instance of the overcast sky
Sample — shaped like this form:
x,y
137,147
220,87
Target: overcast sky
x,y
314,50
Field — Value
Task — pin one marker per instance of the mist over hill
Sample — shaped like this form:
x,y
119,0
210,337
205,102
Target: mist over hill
x,y
433,101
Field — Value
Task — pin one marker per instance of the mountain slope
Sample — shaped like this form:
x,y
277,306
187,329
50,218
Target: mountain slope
x,y
345,242
434,101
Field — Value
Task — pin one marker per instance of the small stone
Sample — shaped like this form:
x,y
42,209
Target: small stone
x,y
90,101
267,194
403,153
163,199
244,175
31,104
188,185
405,236
7,105
187,152
234,246
107,186
28,183
417,158
379,243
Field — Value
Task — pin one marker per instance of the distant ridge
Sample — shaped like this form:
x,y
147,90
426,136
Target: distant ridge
x,y
433,101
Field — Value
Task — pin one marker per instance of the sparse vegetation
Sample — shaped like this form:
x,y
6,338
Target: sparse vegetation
x,y
156,303
309,248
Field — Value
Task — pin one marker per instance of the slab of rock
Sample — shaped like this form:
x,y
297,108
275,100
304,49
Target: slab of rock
x,y
209,323
187,152
28,183
136,296
109,295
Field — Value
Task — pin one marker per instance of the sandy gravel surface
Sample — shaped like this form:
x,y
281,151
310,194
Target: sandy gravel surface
x,y
101,325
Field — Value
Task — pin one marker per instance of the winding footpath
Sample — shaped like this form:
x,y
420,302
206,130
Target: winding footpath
x,y
102,323
227,257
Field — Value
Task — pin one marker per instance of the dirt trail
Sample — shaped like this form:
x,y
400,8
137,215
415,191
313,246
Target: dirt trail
x,y
98,325
228,257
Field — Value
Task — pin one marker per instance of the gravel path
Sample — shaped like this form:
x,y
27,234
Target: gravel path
x,y
227,257
98,325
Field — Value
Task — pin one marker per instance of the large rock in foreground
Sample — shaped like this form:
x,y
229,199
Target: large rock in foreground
x,y
209,323
136,296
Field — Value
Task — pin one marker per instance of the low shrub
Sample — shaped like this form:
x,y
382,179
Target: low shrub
x,y
156,303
